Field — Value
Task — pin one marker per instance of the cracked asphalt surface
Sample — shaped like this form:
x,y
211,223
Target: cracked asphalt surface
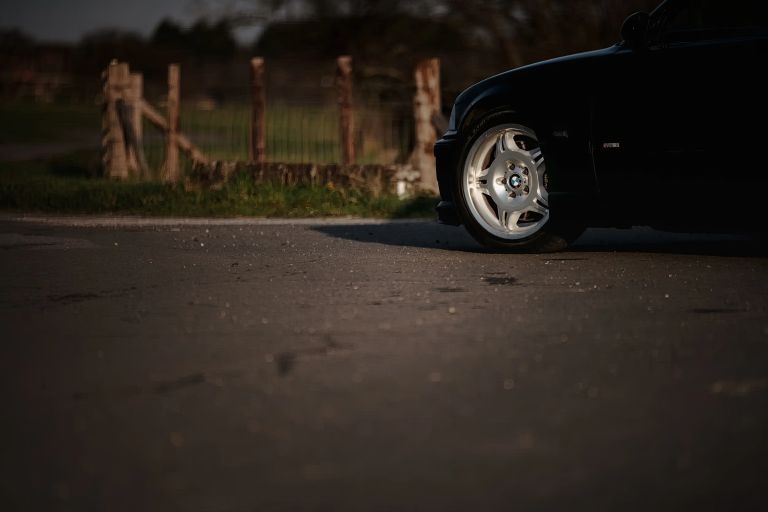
x,y
351,366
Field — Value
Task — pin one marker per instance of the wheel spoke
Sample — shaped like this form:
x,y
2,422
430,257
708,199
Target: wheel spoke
x,y
479,186
542,196
501,144
503,216
512,220
537,207
506,143
510,141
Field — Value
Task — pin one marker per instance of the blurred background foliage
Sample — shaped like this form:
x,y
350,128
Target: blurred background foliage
x,y
300,39
51,93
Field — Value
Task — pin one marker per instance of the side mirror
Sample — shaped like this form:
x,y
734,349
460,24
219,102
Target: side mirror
x,y
635,29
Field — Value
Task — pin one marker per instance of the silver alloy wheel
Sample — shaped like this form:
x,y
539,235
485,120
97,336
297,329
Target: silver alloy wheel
x,y
504,182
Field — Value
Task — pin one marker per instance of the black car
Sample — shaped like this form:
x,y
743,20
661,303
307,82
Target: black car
x,y
664,129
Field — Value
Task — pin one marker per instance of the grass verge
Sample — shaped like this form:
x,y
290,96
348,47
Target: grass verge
x,y
29,123
67,185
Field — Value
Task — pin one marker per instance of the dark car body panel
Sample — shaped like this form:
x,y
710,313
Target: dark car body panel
x,y
623,131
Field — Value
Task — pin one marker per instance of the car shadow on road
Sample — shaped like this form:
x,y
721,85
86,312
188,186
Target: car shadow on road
x,y
418,234
646,240
431,235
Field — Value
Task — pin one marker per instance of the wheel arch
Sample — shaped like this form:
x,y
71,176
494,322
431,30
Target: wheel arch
x,y
562,125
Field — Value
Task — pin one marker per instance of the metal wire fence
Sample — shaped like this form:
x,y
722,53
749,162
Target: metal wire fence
x,y
302,118
300,133
302,115
295,133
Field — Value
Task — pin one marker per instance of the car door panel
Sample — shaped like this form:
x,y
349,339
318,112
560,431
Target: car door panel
x,y
678,134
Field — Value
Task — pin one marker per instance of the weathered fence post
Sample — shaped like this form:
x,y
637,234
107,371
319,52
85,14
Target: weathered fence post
x,y
134,97
114,158
426,104
346,123
171,169
258,119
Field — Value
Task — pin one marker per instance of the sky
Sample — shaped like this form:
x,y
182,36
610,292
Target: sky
x,y
68,20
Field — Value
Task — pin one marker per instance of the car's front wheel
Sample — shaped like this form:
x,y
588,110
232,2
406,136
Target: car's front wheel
x,y
502,190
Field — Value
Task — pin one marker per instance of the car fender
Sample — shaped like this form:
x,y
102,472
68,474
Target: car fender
x,y
561,121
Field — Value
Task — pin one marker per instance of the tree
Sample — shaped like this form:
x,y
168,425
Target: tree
x,y
215,40
168,33
202,39
515,32
97,49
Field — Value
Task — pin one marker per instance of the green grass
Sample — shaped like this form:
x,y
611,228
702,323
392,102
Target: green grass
x,y
29,123
295,133
68,185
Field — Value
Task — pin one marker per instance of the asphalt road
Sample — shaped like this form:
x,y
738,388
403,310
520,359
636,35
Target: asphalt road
x,y
383,367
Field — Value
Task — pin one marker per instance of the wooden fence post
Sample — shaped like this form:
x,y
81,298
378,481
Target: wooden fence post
x,y
258,119
106,135
426,104
346,122
115,159
171,169
137,96
134,97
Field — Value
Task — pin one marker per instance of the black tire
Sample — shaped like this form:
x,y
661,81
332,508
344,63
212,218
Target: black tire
x,y
555,235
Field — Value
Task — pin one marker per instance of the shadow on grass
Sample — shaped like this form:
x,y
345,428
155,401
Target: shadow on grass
x,y
66,167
